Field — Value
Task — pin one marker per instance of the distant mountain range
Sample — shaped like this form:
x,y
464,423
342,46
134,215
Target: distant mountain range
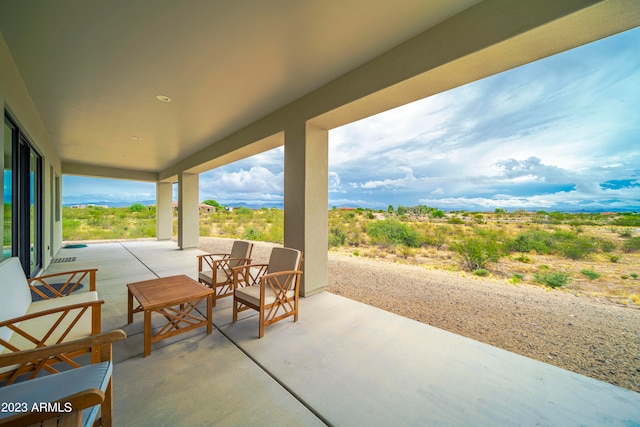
x,y
112,204
280,205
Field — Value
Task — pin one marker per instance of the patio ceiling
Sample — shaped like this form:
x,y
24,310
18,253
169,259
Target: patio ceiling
x,y
94,69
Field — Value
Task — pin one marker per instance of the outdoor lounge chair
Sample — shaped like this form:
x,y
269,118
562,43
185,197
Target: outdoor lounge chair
x,y
43,311
271,289
69,398
215,270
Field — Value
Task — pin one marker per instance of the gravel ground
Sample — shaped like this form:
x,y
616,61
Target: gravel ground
x,y
592,337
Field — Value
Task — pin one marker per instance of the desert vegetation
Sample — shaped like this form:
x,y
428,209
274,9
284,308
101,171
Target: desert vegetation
x,y
586,253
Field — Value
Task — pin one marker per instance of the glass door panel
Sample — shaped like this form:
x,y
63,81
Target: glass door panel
x,y
7,183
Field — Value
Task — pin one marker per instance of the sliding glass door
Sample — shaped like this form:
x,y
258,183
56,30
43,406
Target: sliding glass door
x,y
7,185
22,179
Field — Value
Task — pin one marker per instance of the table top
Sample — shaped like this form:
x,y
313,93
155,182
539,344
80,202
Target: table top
x,y
167,291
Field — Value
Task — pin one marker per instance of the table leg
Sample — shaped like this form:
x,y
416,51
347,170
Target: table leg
x,y
130,307
147,333
210,301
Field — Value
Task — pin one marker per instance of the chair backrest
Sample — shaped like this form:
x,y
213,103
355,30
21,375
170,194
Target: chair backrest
x,y
240,249
284,259
16,296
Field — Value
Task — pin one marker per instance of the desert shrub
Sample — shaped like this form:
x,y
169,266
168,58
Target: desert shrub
x,y
137,207
624,232
614,258
606,245
553,279
481,272
437,237
337,237
628,220
390,232
523,258
476,252
251,233
592,275
532,240
404,251
516,278
632,244
455,220
577,248
634,275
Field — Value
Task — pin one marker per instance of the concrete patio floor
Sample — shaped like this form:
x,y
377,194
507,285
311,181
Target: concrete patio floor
x,y
343,363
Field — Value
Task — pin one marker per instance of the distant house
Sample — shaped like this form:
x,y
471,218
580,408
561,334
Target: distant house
x,y
204,208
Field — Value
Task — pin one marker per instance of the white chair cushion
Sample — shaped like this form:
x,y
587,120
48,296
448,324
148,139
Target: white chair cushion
x,y
251,294
221,276
39,326
16,296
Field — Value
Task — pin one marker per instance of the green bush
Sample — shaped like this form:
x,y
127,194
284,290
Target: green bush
x,y
553,279
577,247
628,220
337,237
137,207
251,233
606,245
532,240
476,252
632,245
592,275
481,272
390,232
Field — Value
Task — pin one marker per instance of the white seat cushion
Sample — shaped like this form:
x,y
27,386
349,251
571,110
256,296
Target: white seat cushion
x,y
251,294
221,276
38,327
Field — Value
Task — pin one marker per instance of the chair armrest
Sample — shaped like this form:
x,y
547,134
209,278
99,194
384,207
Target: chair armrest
x,y
49,352
281,280
73,281
248,275
212,255
75,403
210,259
87,304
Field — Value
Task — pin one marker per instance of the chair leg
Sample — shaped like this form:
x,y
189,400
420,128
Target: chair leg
x,y
235,311
261,323
106,410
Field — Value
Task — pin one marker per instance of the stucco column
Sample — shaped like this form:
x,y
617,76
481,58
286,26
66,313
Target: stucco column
x,y
306,160
188,218
164,212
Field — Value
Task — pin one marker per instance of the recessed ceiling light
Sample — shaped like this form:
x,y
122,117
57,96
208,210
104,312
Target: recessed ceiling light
x,y
136,138
163,98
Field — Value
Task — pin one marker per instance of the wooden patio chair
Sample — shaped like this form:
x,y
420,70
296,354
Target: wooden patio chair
x,y
69,398
43,311
272,289
216,270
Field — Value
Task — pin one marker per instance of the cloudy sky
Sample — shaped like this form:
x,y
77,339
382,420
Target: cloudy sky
x,y
559,134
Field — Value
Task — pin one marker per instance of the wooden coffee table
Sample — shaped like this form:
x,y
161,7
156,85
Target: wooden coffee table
x,y
176,298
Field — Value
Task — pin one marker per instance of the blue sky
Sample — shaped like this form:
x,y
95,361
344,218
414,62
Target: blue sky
x,y
560,134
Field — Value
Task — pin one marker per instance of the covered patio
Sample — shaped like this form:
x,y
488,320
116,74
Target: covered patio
x,y
343,363
85,88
